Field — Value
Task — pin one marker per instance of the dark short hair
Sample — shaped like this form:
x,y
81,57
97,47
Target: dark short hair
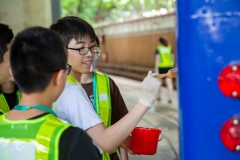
x,y
35,55
6,35
72,27
163,41
97,41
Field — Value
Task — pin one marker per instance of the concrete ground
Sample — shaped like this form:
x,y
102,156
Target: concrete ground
x,y
162,115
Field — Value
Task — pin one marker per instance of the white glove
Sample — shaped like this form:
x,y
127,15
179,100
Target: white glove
x,y
150,88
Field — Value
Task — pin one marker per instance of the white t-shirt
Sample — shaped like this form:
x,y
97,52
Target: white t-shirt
x,y
74,106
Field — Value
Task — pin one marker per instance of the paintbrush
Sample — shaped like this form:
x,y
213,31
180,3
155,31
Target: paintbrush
x,y
172,73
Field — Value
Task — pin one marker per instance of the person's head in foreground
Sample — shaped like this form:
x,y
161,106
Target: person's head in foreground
x,y
80,40
6,35
39,62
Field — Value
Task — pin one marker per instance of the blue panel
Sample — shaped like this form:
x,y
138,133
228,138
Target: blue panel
x,y
208,39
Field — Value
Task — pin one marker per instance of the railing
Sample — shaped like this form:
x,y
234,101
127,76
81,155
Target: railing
x,y
127,70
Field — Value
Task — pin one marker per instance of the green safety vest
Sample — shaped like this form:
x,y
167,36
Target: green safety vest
x,y
102,101
31,139
72,80
4,108
101,91
165,54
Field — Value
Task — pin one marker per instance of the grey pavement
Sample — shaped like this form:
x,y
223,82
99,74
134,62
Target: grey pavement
x,y
162,115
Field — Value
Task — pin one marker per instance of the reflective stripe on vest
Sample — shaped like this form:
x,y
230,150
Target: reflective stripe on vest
x,y
31,139
165,57
102,101
4,108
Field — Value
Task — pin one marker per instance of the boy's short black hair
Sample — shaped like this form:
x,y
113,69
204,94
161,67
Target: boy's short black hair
x,y
163,41
35,54
72,27
97,41
6,35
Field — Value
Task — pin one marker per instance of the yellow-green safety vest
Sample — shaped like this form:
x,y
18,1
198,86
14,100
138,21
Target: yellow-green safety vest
x,y
4,108
165,54
101,91
102,101
31,139
72,80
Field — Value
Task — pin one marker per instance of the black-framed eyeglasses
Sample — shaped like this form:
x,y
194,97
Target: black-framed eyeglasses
x,y
85,50
68,68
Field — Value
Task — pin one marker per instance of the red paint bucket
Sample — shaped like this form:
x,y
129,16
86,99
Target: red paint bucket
x,y
145,140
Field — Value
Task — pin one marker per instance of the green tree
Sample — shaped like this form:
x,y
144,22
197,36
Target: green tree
x,y
105,11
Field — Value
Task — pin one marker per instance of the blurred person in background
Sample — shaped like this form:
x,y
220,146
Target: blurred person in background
x,y
9,96
97,83
164,61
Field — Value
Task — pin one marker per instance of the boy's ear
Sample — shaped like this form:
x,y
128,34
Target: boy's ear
x,y
58,77
10,70
11,78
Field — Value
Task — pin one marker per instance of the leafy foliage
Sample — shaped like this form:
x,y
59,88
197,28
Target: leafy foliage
x,y
105,11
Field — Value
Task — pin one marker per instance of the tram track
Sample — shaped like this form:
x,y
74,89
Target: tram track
x,y
163,115
170,119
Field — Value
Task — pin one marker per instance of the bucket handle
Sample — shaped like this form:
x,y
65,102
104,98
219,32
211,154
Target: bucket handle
x,y
161,137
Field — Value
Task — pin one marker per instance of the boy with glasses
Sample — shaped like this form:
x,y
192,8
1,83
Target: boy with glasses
x,y
74,106
110,110
31,130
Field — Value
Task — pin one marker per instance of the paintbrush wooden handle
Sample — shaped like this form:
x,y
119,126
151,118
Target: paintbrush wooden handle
x,y
172,73
161,76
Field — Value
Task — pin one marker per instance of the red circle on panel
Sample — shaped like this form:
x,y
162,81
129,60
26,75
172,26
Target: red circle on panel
x,y
229,81
230,134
